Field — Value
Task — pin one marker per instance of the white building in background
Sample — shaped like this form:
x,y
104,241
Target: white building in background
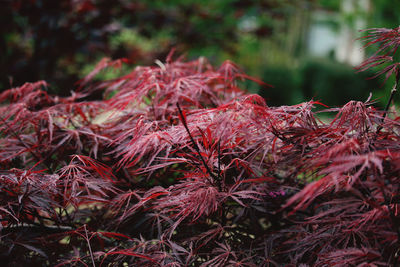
x,y
333,34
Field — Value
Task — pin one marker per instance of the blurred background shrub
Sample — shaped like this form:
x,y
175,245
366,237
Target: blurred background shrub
x,y
287,86
305,48
328,81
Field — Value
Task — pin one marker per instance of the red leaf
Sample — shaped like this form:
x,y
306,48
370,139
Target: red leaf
x,y
133,254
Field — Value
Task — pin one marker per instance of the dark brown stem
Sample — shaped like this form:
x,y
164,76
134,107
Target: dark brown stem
x,y
392,93
196,147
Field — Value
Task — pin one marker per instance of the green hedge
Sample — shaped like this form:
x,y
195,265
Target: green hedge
x,y
330,82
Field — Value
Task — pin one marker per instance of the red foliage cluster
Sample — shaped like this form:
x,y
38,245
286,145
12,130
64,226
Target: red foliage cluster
x,y
388,41
178,167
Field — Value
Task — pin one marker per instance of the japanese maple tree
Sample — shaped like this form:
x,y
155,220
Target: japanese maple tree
x,y
177,166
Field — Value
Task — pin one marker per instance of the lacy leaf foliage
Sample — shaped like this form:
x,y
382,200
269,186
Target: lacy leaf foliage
x,y
177,166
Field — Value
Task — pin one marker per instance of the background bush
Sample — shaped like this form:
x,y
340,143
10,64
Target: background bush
x,y
62,41
335,82
318,79
284,80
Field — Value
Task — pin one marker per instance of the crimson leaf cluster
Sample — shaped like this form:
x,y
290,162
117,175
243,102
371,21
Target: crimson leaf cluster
x,y
177,166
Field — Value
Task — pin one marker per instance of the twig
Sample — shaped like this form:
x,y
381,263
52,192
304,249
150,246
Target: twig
x,y
196,147
33,225
219,159
392,93
90,248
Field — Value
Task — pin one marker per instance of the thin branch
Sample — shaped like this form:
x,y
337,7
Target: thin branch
x,y
219,159
392,93
196,147
90,248
36,225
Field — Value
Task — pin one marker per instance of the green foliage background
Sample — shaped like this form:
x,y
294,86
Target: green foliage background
x,y
61,41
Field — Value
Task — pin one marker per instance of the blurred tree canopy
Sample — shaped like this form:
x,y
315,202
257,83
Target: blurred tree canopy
x,y
60,41
54,40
